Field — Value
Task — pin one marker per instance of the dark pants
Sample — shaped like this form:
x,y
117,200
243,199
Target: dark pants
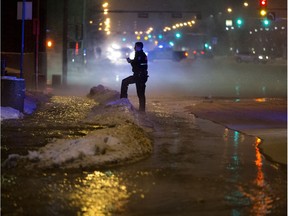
x,y
140,88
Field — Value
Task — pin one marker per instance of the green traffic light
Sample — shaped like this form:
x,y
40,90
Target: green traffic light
x,y
239,22
266,22
178,35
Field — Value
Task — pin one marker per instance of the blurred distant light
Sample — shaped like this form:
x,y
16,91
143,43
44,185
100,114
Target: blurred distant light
x,y
245,4
91,22
49,43
229,22
178,35
229,10
104,5
138,37
239,22
115,46
171,43
160,36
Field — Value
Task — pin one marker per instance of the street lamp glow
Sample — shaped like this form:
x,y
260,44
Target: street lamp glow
x,y
49,43
229,10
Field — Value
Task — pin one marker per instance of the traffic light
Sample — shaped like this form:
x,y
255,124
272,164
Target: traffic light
x,y
263,3
263,7
266,22
178,35
263,12
239,22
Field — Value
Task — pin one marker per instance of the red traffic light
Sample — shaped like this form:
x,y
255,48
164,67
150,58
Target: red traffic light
x,y
263,3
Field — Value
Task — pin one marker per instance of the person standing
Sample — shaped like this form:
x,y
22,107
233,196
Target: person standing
x,y
140,76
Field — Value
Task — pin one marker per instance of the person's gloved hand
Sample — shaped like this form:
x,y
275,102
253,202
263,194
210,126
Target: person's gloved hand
x,y
128,60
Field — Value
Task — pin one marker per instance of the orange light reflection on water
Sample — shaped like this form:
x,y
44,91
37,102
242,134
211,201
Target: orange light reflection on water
x,y
258,162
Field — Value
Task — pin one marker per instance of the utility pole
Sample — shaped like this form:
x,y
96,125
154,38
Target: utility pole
x,y
22,38
36,33
65,46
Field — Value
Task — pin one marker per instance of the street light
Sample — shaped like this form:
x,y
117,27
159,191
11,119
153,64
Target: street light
x,y
49,43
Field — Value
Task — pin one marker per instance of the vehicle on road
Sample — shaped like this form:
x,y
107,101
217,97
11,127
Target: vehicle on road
x,y
200,53
167,53
251,57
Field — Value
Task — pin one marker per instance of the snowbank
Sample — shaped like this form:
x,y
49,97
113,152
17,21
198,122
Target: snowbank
x,y
30,105
10,113
123,141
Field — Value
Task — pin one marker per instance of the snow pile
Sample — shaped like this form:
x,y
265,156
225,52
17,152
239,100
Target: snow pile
x,y
30,105
121,141
111,146
102,94
10,113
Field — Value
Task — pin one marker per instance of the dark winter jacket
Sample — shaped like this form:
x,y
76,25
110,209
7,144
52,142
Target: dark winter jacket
x,y
139,63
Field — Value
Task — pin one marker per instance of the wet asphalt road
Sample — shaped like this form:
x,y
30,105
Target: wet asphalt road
x,y
197,168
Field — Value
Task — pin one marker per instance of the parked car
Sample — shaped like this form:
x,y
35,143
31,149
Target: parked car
x,y
251,57
167,53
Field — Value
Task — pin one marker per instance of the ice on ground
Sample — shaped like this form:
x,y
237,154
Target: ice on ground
x,y
124,141
111,146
